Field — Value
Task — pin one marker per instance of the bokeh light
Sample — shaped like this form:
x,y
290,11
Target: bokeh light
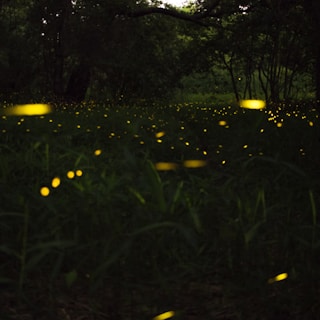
x,y
222,123
194,163
44,191
70,174
28,110
55,182
165,315
160,134
165,166
252,104
279,277
97,152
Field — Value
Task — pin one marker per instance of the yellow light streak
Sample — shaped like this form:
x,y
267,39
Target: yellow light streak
x,y
279,277
252,104
222,123
194,163
160,134
165,315
165,166
28,110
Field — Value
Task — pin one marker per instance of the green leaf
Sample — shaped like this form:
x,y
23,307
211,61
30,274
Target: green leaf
x,y
250,234
154,226
138,195
157,187
38,252
176,197
71,277
9,251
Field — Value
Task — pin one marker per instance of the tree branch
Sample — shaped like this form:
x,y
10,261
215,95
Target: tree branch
x,y
195,17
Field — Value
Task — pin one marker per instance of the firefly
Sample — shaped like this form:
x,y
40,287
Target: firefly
x,y
252,104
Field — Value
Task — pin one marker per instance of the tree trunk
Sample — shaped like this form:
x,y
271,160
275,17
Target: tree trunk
x,y
231,73
312,8
78,83
317,74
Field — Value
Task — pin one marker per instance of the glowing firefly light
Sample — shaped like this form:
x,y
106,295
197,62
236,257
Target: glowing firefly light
x,y
194,163
165,315
28,110
44,191
97,152
70,174
165,166
252,104
79,173
222,123
279,277
55,182
160,134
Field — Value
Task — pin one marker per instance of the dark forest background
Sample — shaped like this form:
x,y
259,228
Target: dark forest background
x,y
134,51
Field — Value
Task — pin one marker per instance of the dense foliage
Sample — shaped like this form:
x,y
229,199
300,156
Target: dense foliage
x,y
139,50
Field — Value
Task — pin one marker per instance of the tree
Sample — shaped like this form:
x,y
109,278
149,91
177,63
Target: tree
x,y
281,52
312,9
90,41
76,47
17,58
71,39
263,47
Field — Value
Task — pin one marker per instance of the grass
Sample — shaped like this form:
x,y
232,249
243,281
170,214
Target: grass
x,y
123,239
